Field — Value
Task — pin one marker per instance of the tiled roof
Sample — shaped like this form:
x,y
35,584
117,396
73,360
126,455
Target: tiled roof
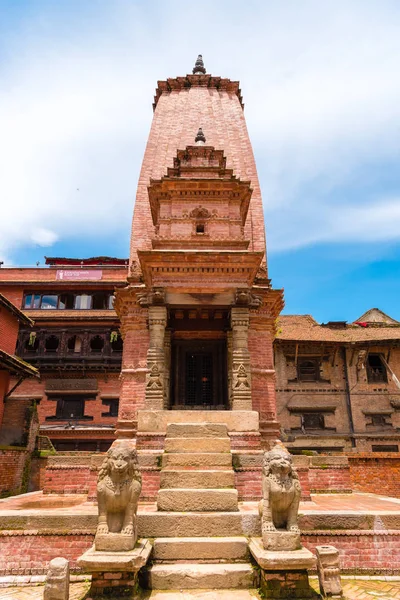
x,y
14,364
304,328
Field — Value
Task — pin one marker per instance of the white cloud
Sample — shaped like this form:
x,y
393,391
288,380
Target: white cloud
x,y
322,103
43,237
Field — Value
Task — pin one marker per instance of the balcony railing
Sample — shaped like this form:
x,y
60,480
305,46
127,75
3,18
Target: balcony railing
x,y
70,348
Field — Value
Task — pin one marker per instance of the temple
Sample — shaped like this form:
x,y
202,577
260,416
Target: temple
x,y
178,354
198,270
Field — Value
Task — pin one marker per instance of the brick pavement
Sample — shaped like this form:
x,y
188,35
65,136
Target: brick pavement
x,y
354,589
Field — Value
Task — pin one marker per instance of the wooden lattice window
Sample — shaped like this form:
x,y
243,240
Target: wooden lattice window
x,y
308,369
313,421
376,370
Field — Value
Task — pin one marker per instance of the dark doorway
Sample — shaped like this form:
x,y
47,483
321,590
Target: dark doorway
x,y
199,378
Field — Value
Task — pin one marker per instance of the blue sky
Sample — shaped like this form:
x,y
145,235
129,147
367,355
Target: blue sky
x,y
322,103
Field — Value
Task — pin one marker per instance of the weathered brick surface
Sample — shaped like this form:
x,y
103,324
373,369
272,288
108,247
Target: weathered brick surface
x,y
248,484
12,463
9,326
361,551
375,472
365,397
329,479
29,553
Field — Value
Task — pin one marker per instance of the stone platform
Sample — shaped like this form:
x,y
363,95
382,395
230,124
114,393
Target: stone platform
x,y
364,527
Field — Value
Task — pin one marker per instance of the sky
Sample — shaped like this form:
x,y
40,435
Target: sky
x,y
321,86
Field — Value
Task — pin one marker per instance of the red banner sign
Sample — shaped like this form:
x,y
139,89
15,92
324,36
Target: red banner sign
x,y
79,275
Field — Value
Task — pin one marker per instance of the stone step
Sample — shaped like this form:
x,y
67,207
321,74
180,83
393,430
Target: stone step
x,y
197,444
197,459
201,548
197,500
187,430
199,479
201,576
153,524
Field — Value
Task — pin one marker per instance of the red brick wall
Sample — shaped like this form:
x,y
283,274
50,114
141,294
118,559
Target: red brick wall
x,y
365,552
150,484
29,553
9,326
93,408
13,294
375,472
248,484
67,479
329,474
12,463
76,475
14,421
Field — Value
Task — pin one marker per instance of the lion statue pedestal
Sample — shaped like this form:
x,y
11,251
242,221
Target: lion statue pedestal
x,y
117,555
282,559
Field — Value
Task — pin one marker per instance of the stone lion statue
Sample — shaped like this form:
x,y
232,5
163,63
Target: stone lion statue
x,y
281,492
118,489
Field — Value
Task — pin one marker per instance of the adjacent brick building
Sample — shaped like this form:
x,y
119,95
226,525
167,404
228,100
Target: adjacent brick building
x,y
76,345
17,427
337,387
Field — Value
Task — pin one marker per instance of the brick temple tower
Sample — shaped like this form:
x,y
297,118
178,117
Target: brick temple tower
x,y
198,314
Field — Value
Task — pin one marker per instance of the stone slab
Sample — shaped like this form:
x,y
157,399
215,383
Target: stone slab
x,y
235,420
173,524
281,540
211,444
199,479
198,459
188,430
201,576
281,561
188,500
201,548
112,542
94,561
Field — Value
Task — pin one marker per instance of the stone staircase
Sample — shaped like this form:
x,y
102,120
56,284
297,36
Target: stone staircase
x,y
197,479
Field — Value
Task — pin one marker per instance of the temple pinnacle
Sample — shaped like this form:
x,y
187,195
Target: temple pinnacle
x,y
199,68
200,138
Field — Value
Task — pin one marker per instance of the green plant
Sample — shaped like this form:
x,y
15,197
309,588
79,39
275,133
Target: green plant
x,y
32,338
113,336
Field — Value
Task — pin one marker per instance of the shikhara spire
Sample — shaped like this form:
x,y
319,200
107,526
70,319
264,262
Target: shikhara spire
x,y
199,67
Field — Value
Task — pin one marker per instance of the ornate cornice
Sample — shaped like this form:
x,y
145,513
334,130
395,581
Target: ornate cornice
x,y
203,80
